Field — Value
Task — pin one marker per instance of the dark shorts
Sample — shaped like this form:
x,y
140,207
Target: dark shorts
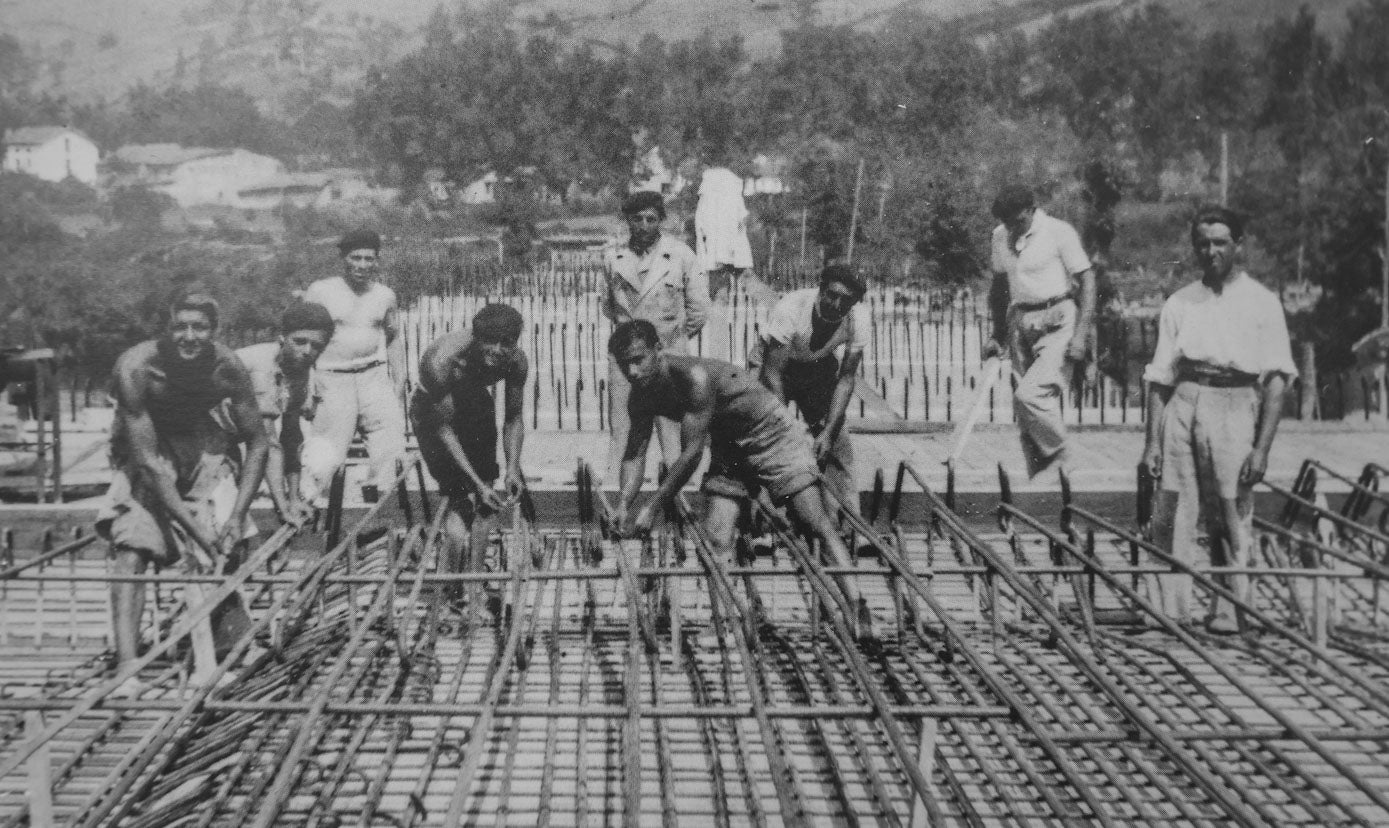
x,y
475,424
777,454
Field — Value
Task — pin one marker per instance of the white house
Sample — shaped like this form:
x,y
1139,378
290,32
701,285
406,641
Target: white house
x,y
52,153
197,175
481,191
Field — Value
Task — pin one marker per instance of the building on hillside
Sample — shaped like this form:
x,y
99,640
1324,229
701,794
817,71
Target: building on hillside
x,y
481,191
193,175
52,153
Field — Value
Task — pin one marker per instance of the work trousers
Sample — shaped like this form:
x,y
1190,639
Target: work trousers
x,y
364,400
1207,434
1037,341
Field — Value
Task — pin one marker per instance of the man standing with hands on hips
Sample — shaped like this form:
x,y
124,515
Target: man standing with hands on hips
x,y
1036,319
654,277
1215,396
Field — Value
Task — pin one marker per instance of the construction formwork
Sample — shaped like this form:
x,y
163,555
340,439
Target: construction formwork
x,y
1022,676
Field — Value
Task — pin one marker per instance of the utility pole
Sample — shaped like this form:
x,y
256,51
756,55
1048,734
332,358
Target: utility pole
x,y
853,217
1384,252
1224,168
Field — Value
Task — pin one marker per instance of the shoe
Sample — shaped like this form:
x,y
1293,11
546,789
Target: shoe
x,y
1222,626
864,622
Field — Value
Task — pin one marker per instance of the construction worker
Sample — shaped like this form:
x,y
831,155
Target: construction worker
x,y
1036,319
655,277
454,415
180,491
287,392
362,371
1215,396
810,354
754,442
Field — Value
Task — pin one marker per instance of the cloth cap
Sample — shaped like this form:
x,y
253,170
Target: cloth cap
x,y
497,323
644,200
360,239
306,316
839,274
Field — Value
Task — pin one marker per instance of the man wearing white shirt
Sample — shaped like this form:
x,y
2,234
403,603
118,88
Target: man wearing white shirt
x,y
1215,396
810,355
655,277
358,388
1035,258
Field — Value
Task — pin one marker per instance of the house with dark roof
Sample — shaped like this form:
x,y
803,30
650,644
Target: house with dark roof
x,y
53,153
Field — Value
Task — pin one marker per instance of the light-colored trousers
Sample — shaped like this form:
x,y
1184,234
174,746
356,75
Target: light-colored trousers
x,y
1037,341
365,400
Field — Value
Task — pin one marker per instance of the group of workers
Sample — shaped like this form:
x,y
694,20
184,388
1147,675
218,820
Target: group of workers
x,y
199,425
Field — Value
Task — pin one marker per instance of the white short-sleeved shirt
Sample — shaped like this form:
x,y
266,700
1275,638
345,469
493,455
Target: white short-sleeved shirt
x,y
1241,328
789,323
360,336
275,393
1041,264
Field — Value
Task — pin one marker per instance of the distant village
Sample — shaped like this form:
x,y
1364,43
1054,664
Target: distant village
x,y
221,187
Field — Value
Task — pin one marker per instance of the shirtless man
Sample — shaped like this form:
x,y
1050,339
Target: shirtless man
x,y
287,391
358,391
180,492
753,439
455,420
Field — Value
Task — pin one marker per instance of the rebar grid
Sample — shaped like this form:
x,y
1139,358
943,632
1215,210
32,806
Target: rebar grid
x,y
639,688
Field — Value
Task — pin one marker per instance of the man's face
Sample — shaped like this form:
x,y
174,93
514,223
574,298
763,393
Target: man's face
x,y
360,266
640,363
1019,222
835,301
191,332
1215,251
299,350
645,226
494,354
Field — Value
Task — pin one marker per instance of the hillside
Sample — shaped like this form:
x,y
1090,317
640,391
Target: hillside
x,y
290,52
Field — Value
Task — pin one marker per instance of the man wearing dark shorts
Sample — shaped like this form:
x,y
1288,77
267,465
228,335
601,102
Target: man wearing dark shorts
x,y
754,442
180,491
810,354
454,415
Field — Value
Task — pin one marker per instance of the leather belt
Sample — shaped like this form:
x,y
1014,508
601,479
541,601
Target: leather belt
x,y
1027,307
357,370
1219,379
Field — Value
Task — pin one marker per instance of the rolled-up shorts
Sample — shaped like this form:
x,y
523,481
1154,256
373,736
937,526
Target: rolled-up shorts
x,y
776,454
130,525
1208,430
475,425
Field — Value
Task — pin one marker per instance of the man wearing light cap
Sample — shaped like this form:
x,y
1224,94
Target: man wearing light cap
x,y
287,391
455,420
655,277
358,367
1036,319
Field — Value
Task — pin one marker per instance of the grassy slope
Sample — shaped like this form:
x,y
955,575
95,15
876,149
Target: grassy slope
x,y
149,33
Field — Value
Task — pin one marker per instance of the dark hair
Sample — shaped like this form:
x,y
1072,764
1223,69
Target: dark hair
x,y
1216,214
306,316
497,323
839,274
633,330
644,200
200,302
360,239
1011,199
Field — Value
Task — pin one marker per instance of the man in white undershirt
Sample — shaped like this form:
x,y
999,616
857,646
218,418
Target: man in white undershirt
x,y
362,369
